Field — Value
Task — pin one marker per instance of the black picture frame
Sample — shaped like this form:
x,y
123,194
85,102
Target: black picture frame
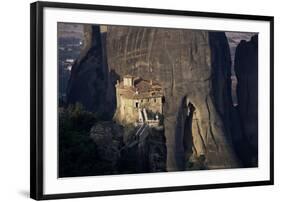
x,y
36,98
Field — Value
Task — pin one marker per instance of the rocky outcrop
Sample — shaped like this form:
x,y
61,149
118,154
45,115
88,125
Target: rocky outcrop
x,y
145,153
107,137
89,75
134,155
246,69
193,68
234,39
157,152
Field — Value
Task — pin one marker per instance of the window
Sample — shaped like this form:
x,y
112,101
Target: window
x,y
155,100
137,104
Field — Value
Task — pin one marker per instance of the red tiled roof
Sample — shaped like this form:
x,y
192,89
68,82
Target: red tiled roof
x,y
141,89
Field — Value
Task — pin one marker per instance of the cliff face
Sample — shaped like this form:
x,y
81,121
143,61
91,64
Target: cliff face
x,y
246,68
89,76
193,68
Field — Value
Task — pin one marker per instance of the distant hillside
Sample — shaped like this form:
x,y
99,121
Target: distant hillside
x,y
70,30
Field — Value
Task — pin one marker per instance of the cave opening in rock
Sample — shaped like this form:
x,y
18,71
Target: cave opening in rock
x,y
190,137
184,134
189,110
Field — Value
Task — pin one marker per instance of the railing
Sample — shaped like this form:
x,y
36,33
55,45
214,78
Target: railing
x,y
140,137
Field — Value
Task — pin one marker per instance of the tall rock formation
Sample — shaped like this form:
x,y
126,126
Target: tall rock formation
x,y
193,68
246,69
88,81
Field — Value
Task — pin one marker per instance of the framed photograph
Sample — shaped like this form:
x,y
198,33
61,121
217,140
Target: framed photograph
x,y
134,100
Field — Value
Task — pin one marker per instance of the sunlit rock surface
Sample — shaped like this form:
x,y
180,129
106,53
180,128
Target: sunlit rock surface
x,y
193,68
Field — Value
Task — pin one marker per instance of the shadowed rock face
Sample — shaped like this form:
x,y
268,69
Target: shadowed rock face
x,y
88,81
246,68
194,70
87,72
